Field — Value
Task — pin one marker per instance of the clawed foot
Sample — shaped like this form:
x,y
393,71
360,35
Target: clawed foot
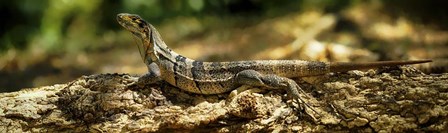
x,y
254,78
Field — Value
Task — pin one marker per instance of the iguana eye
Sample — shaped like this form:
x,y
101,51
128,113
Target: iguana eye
x,y
142,25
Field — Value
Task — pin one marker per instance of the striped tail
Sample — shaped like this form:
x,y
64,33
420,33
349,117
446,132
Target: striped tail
x,y
347,66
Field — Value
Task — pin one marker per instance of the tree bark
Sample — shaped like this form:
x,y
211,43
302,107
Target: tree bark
x,y
385,100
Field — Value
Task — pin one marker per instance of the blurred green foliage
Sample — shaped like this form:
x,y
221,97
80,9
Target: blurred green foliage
x,y
58,29
20,20
48,41
72,25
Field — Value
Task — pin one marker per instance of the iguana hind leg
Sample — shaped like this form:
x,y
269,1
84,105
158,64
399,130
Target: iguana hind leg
x,y
254,78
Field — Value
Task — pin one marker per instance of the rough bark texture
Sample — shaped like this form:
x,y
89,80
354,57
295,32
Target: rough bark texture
x,y
385,100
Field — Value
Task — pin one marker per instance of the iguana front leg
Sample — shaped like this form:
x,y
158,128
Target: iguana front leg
x,y
254,78
151,77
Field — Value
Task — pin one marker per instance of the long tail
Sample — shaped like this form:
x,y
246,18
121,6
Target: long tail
x,y
347,66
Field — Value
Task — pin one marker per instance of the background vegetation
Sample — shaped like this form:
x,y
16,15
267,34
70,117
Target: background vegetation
x,y
54,41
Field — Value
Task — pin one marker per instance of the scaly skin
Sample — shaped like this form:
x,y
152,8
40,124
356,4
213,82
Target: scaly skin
x,y
219,77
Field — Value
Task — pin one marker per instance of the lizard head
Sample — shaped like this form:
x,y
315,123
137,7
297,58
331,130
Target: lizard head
x,y
135,24
148,39
142,31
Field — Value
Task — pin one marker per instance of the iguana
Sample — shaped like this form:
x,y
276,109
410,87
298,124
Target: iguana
x,y
220,77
